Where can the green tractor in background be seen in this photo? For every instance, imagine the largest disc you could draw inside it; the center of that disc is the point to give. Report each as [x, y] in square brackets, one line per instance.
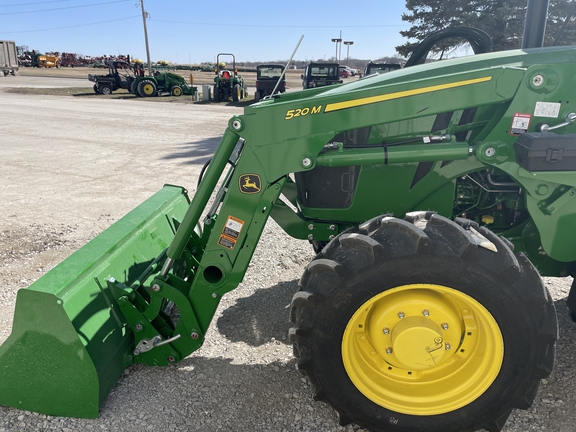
[162, 83]
[227, 83]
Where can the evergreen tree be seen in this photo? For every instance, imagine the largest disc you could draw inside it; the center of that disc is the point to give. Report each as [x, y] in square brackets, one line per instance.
[503, 20]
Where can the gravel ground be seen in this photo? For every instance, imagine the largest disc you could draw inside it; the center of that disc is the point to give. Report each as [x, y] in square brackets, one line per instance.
[72, 166]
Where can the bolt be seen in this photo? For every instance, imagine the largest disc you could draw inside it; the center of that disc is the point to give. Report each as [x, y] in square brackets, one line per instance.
[306, 162]
[448, 346]
[310, 236]
[389, 350]
[138, 327]
[444, 326]
[425, 312]
[333, 227]
[236, 124]
[170, 359]
[537, 80]
[136, 352]
[386, 330]
[330, 237]
[194, 335]
[490, 151]
[156, 287]
[214, 295]
[438, 340]
[311, 227]
[400, 314]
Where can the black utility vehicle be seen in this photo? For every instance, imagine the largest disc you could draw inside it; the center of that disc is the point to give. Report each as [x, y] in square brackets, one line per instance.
[267, 76]
[121, 75]
[320, 74]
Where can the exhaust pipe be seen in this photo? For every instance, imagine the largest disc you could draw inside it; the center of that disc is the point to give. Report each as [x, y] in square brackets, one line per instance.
[535, 23]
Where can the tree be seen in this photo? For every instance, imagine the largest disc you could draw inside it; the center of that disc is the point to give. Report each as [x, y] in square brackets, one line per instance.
[503, 20]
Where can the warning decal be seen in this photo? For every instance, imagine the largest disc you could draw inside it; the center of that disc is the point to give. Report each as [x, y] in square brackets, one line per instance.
[520, 123]
[231, 232]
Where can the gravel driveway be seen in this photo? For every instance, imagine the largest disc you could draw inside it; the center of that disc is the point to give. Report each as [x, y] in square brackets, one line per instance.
[72, 166]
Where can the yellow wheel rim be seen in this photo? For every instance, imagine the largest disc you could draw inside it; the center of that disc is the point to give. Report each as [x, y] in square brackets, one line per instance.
[177, 91]
[422, 349]
[148, 89]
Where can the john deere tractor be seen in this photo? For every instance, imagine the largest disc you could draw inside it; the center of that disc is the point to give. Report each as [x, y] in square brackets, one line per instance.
[436, 196]
[162, 83]
[227, 83]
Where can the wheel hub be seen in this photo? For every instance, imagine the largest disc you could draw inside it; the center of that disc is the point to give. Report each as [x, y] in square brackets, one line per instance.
[422, 349]
[417, 343]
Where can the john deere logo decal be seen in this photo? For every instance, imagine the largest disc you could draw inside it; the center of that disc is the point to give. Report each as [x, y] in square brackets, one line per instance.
[250, 183]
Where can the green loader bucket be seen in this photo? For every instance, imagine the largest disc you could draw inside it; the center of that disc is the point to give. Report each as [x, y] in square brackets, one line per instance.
[69, 343]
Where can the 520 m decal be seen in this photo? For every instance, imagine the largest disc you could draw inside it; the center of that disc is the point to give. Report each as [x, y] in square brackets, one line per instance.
[301, 112]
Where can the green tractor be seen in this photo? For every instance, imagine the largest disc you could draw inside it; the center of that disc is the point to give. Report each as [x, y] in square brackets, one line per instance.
[436, 196]
[227, 83]
[162, 83]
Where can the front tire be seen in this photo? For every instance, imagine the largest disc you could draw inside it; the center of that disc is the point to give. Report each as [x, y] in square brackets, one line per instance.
[177, 91]
[105, 89]
[409, 325]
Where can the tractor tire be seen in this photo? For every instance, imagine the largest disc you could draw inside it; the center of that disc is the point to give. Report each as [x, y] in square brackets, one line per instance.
[236, 93]
[134, 88]
[105, 89]
[95, 88]
[408, 325]
[176, 91]
[147, 88]
[216, 94]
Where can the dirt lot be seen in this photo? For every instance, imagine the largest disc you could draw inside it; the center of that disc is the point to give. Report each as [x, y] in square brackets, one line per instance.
[71, 166]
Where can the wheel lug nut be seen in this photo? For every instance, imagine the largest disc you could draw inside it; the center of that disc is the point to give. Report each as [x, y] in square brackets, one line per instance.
[425, 312]
[400, 314]
[386, 330]
[444, 326]
[447, 346]
[389, 350]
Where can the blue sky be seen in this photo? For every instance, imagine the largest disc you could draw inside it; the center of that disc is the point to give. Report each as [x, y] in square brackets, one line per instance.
[188, 31]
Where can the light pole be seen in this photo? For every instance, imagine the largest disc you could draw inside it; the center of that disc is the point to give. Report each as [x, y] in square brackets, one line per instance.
[348, 43]
[336, 41]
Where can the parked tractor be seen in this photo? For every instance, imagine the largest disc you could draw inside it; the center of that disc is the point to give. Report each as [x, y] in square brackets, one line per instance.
[162, 83]
[319, 74]
[267, 77]
[227, 83]
[121, 75]
[436, 196]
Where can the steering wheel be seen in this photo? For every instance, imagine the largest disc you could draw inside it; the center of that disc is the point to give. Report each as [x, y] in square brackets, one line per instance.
[478, 40]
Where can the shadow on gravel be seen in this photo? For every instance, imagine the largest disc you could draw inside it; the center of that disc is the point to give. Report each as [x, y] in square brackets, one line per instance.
[195, 152]
[264, 315]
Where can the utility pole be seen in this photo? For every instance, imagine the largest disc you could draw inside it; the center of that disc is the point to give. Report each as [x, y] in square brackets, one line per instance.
[144, 16]
[348, 43]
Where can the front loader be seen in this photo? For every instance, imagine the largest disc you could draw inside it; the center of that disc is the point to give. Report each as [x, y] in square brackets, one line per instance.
[435, 195]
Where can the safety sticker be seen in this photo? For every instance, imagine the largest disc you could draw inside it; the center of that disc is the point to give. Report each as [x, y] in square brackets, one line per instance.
[520, 123]
[231, 232]
[547, 109]
[250, 183]
[233, 227]
[226, 242]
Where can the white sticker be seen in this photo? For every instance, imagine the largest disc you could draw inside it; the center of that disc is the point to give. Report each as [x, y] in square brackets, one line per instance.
[547, 109]
[520, 123]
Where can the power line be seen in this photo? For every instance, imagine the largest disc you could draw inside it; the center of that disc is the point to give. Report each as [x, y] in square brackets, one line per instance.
[74, 26]
[62, 8]
[35, 3]
[282, 26]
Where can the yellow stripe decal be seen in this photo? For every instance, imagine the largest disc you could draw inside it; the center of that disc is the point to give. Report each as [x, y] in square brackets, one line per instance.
[386, 97]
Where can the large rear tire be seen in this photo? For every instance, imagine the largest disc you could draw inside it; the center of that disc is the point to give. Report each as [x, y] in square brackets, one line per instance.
[410, 325]
[147, 88]
[236, 93]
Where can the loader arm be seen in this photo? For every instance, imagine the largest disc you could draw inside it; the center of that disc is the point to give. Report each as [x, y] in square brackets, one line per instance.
[415, 132]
